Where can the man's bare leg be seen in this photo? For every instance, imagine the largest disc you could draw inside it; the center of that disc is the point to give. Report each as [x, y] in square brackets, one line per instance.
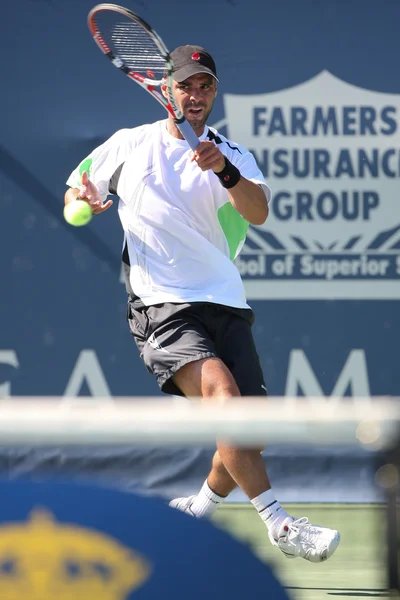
[219, 480]
[210, 380]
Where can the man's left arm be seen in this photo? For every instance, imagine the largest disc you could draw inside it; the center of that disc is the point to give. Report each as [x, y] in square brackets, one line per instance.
[246, 196]
[249, 199]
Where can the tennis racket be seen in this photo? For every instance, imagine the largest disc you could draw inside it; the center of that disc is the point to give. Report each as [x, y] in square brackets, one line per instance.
[137, 50]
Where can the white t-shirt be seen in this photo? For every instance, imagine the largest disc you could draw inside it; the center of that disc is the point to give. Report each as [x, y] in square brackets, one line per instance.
[181, 231]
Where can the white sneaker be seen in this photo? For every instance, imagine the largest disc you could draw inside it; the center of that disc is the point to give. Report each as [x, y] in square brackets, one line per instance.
[312, 542]
[183, 504]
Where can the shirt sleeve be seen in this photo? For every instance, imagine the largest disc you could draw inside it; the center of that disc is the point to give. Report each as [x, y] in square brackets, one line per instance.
[103, 161]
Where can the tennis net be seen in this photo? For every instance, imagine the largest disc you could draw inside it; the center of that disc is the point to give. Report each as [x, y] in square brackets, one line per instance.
[370, 422]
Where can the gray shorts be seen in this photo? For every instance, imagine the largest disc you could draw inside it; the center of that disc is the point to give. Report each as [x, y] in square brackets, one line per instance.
[169, 336]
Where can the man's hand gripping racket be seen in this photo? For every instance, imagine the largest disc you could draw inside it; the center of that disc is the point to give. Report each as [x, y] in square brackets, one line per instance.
[137, 50]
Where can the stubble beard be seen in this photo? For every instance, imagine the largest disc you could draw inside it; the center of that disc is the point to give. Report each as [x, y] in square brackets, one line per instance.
[201, 122]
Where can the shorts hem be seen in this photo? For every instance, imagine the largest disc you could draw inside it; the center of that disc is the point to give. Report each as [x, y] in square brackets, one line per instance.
[171, 372]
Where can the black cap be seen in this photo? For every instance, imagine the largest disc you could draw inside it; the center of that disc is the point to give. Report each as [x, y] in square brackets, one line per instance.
[189, 60]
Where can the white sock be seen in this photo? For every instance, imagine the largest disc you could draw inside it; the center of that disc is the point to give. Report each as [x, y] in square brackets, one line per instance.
[206, 502]
[271, 512]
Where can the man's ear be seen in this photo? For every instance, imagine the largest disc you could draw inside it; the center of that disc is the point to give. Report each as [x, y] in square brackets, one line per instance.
[164, 91]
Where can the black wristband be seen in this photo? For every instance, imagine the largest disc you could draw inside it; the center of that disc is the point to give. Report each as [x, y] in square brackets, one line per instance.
[229, 176]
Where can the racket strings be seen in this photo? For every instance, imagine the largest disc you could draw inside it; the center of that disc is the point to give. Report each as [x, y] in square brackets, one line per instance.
[135, 47]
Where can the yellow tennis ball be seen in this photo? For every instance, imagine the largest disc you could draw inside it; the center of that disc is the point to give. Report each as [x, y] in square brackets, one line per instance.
[77, 213]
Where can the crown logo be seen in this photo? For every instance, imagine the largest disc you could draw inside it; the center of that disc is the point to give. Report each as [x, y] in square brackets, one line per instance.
[46, 560]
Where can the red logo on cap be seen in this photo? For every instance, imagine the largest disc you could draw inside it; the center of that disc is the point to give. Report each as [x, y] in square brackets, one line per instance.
[195, 56]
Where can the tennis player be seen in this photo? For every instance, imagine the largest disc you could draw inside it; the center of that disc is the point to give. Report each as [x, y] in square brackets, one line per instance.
[185, 216]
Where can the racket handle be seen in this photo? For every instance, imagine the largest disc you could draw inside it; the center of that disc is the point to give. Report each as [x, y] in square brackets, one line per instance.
[186, 130]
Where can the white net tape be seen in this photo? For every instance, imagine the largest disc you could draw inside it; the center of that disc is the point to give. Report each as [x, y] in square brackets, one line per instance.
[371, 422]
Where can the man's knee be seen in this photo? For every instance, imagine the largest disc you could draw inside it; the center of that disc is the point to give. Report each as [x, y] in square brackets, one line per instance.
[208, 378]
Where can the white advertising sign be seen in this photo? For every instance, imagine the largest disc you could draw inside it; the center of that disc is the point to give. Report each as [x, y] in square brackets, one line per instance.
[331, 153]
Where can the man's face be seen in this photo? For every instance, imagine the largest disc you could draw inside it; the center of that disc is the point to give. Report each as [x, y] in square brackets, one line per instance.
[195, 97]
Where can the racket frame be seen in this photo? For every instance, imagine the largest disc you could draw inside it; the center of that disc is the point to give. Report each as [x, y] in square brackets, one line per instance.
[152, 86]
